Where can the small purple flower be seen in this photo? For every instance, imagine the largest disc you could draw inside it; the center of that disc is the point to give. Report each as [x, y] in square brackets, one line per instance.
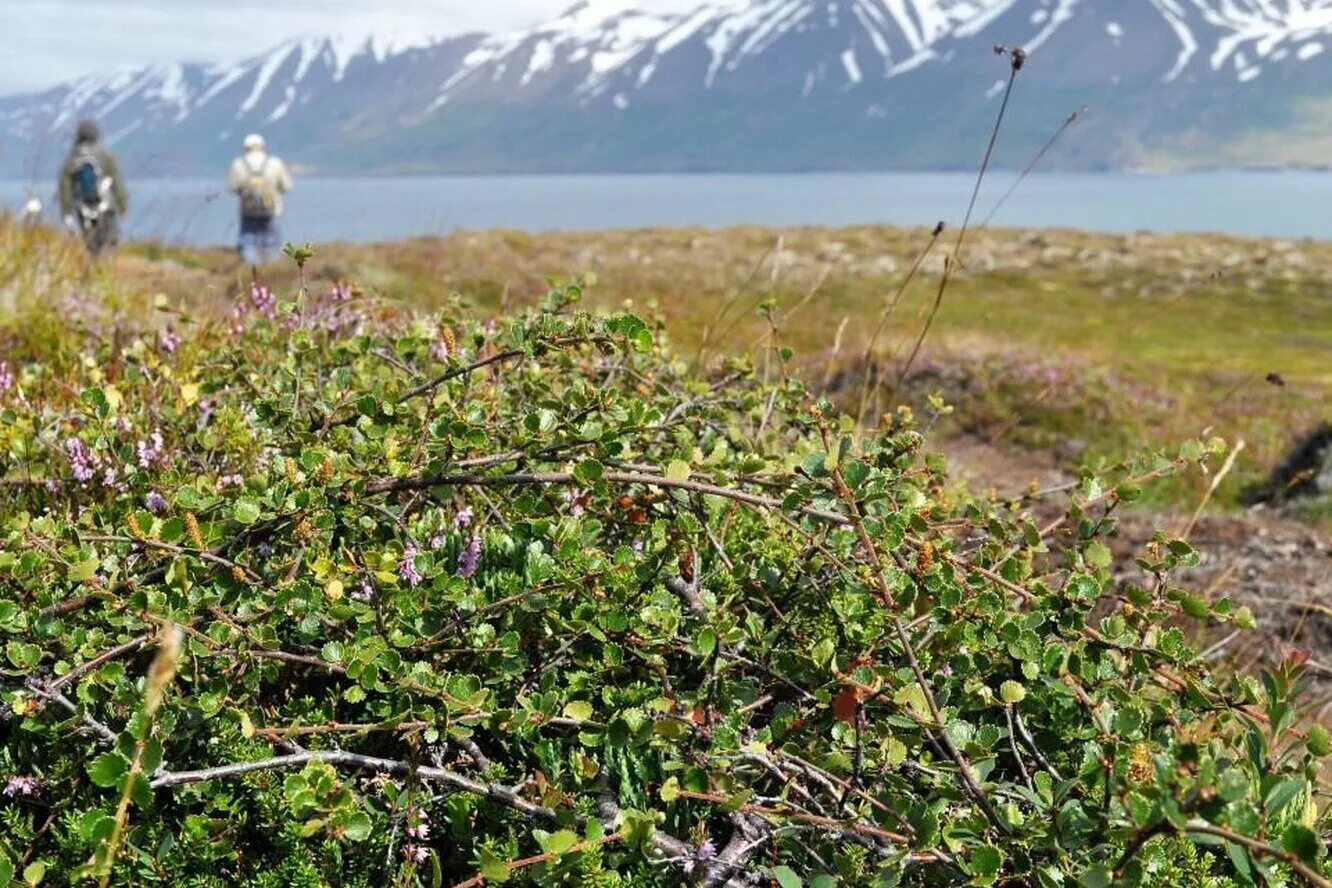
[407, 568]
[111, 479]
[416, 853]
[6, 377]
[704, 852]
[439, 352]
[638, 546]
[152, 451]
[81, 461]
[438, 540]
[577, 501]
[340, 293]
[420, 831]
[226, 482]
[464, 518]
[168, 341]
[21, 786]
[155, 502]
[470, 558]
[263, 300]
[364, 592]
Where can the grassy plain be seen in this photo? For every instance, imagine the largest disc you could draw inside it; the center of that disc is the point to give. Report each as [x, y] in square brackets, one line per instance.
[1086, 346]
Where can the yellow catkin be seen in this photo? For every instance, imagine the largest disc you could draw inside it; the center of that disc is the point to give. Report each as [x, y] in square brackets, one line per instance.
[1140, 768]
[293, 471]
[238, 574]
[450, 341]
[192, 528]
[326, 469]
[136, 529]
[304, 530]
[925, 559]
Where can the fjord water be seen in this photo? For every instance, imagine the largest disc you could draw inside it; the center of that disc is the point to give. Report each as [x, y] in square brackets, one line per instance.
[199, 212]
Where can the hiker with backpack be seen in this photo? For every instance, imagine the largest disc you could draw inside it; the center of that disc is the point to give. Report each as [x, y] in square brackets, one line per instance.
[93, 197]
[259, 179]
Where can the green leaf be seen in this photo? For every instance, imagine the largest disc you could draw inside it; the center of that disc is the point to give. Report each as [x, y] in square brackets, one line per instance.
[985, 863]
[83, 571]
[1282, 794]
[34, 872]
[6, 870]
[24, 656]
[1096, 877]
[493, 868]
[358, 827]
[678, 470]
[589, 471]
[93, 827]
[1318, 740]
[706, 641]
[670, 790]
[1012, 692]
[245, 511]
[786, 877]
[1098, 555]
[560, 842]
[1195, 607]
[107, 769]
[1302, 842]
[578, 710]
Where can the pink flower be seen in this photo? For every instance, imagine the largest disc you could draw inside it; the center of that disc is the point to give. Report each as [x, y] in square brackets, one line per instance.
[439, 352]
[155, 502]
[577, 501]
[464, 518]
[407, 567]
[168, 341]
[152, 451]
[416, 853]
[263, 300]
[228, 481]
[470, 558]
[21, 786]
[81, 461]
[420, 831]
[6, 377]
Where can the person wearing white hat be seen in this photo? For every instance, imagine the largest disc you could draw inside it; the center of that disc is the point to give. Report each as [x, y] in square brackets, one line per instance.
[259, 179]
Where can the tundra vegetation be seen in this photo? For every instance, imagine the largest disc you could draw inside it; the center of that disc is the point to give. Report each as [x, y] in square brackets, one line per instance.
[325, 590]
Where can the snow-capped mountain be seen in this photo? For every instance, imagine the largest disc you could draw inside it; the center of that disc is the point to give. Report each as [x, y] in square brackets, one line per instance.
[735, 84]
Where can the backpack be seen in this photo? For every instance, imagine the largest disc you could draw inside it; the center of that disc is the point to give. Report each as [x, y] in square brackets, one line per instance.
[90, 184]
[258, 197]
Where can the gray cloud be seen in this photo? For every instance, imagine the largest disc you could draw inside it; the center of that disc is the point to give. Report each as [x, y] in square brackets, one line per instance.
[61, 39]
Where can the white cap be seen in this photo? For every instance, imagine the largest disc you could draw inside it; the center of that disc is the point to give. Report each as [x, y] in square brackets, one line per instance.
[254, 142]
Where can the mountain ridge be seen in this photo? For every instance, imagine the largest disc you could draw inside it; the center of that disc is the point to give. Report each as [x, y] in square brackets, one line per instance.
[735, 85]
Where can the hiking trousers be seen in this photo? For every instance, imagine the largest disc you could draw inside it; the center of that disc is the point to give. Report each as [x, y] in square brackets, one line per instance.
[259, 241]
[100, 233]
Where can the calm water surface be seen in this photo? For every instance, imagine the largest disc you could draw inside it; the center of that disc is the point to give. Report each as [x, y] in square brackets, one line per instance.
[1285, 204]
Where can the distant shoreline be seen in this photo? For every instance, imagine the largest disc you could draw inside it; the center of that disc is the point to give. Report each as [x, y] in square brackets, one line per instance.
[1287, 204]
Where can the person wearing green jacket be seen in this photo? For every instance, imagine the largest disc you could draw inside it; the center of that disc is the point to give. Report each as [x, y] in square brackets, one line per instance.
[93, 197]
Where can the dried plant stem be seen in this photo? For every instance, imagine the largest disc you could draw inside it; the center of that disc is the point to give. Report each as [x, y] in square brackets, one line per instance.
[886, 314]
[1211, 489]
[160, 675]
[1035, 162]
[1018, 59]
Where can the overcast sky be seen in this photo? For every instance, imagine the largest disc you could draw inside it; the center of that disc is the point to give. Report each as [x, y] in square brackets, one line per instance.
[48, 41]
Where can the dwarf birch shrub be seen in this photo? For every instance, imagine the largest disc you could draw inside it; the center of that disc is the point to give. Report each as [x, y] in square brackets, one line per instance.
[325, 595]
